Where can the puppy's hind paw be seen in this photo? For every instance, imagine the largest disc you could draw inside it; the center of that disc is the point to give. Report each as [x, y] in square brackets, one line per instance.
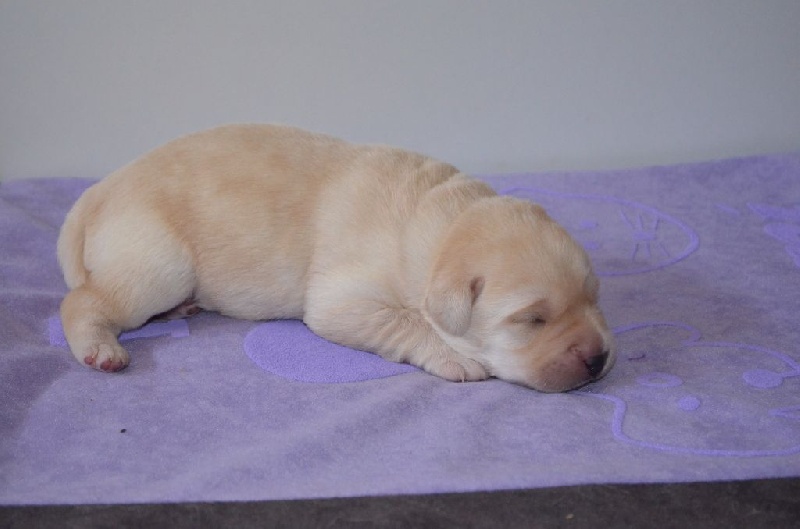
[456, 368]
[106, 357]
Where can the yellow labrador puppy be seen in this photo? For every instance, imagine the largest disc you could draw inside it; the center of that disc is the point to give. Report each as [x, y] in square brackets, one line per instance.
[374, 247]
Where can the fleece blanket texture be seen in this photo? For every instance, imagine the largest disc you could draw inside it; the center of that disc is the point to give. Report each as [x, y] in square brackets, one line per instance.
[700, 272]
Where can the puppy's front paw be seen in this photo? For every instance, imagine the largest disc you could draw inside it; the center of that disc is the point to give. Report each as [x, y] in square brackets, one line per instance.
[106, 357]
[456, 368]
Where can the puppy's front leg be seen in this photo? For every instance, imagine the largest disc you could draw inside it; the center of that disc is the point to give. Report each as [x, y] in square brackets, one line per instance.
[398, 334]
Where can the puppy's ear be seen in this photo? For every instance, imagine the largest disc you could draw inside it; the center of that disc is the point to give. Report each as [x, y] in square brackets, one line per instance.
[450, 297]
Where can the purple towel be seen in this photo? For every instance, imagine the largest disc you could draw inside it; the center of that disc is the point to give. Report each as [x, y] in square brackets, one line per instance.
[700, 268]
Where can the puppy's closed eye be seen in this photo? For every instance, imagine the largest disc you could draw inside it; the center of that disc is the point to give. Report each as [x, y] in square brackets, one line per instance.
[533, 315]
[533, 320]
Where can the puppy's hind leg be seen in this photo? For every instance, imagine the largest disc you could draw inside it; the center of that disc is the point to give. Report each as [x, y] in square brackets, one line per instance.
[184, 310]
[91, 326]
[122, 294]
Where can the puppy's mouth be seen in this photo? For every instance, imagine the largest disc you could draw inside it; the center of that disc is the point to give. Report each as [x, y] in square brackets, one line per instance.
[544, 370]
[573, 371]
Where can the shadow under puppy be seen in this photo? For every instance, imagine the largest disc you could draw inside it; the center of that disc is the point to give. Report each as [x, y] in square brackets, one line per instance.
[374, 247]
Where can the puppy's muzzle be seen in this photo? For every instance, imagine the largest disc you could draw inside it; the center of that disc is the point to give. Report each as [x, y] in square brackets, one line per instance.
[596, 363]
[594, 353]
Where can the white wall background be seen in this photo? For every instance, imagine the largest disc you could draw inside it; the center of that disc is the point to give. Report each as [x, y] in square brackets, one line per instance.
[491, 86]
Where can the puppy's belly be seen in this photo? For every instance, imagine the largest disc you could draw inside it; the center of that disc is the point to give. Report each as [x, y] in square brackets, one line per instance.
[254, 296]
[254, 268]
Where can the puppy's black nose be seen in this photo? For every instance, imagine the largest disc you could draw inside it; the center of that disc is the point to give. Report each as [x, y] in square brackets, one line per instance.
[596, 364]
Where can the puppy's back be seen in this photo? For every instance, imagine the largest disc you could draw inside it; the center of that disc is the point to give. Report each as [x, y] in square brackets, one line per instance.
[210, 185]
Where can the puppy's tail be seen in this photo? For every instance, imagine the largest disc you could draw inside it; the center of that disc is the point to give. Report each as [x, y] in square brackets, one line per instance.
[71, 244]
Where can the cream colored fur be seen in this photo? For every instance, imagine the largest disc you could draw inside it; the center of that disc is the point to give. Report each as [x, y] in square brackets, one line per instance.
[373, 247]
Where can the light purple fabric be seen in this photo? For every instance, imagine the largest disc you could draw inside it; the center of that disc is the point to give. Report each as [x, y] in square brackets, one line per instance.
[288, 349]
[700, 269]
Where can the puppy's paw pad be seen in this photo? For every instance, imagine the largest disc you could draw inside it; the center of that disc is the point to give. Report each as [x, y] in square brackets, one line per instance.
[107, 357]
[184, 310]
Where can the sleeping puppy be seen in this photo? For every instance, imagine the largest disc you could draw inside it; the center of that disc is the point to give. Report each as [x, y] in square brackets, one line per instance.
[374, 247]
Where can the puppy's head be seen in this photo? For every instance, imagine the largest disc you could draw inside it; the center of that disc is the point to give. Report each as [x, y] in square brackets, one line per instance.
[512, 290]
